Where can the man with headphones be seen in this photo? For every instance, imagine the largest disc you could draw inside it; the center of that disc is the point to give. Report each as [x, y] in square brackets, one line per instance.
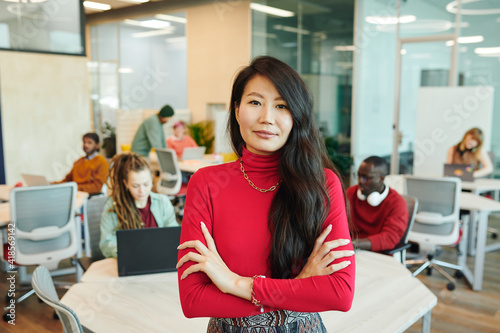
[378, 212]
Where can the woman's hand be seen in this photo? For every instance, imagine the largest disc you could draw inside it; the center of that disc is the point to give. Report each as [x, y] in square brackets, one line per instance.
[209, 261]
[319, 261]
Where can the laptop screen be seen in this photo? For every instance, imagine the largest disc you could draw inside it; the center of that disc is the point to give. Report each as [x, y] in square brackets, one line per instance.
[463, 171]
[193, 153]
[147, 251]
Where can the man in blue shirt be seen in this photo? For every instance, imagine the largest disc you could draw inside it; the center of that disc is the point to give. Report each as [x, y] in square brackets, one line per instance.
[150, 134]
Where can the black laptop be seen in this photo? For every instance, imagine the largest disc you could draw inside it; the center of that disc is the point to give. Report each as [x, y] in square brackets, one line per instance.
[147, 251]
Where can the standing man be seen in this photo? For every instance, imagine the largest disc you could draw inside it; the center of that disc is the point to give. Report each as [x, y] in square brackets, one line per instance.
[91, 171]
[150, 133]
[378, 212]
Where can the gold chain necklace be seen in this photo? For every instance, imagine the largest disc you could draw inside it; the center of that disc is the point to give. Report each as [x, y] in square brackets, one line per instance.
[272, 188]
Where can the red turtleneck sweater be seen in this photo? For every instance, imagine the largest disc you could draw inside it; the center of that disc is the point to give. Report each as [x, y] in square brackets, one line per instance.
[236, 216]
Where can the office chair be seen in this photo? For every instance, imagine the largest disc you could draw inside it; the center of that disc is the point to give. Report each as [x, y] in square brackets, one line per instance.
[92, 231]
[43, 286]
[170, 180]
[436, 221]
[399, 251]
[45, 227]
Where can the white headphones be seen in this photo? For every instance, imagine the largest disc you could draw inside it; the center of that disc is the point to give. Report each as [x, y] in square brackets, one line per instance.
[375, 198]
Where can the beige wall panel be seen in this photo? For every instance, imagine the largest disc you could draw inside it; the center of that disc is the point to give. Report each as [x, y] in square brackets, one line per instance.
[45, 112]
[218, 44]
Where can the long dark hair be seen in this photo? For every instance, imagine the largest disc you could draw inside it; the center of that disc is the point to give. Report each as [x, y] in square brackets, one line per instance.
[301, 203]
[124, 206]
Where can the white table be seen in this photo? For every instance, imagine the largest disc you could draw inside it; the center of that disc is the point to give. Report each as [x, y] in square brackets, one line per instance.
[105, 302]
[186, 166]
[483, 206]
[482, 185]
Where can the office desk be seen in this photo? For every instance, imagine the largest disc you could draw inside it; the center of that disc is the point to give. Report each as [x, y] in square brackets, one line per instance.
[483, 206]
[105, 302]
[186, 166]
[482, 185]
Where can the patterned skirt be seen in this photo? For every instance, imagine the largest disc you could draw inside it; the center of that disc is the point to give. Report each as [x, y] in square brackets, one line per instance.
[282, 321]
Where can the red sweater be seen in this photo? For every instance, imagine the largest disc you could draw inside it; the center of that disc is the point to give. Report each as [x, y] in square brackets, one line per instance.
[236, 216]
[383, 225]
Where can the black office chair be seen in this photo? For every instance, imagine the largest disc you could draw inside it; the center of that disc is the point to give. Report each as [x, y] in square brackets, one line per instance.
[400, 248]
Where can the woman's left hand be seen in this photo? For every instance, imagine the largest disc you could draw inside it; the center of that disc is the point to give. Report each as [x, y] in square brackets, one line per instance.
[208, 261]
[319, 262]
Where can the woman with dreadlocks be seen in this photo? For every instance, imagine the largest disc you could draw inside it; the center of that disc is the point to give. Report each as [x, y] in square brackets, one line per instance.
[132, 205]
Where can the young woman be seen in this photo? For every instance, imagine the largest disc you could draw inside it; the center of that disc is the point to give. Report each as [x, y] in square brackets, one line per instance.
[468, 151]
[180, 140]
[132, 205]
[258, 233]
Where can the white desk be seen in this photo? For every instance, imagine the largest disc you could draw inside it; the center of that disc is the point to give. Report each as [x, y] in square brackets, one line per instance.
[105, 302]
[482, 185]
[186, 166]
[483, 206]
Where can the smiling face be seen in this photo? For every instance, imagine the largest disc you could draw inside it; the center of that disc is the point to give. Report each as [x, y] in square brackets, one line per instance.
[470, 142]
[139, 184]
[263, 116]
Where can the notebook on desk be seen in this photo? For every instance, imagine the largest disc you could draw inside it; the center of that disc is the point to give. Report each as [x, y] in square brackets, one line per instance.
[193, 153]
[463, 171]
[147, 251]
[35, 180]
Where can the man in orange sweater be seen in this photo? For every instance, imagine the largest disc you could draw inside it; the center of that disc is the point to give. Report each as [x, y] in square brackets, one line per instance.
[91, 171]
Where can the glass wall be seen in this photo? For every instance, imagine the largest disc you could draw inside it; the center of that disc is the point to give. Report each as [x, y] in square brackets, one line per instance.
[53, 26]
[316, 39]
[422, 53]
[138, 63]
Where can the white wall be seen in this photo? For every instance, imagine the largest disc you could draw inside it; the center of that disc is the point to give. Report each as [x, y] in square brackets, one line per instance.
[45, 112]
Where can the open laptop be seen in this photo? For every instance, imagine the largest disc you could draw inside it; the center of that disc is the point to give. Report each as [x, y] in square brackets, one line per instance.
[462, 171]
[147, 251]
[193, 153]
[35, 180]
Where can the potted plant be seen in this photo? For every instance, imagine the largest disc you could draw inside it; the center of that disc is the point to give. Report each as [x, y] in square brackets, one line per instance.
[342, 161]
[109, 140]
[203, 133]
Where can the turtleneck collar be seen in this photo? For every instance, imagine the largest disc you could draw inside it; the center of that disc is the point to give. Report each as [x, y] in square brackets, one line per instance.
[263, 163]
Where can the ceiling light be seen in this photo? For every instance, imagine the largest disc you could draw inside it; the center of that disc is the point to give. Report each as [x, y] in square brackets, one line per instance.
[271, 10]
[466, 40]
[452, 8]
[96, 5]
[171, 18]
[153, 33]
[344, 48]
[487, 51]
[291, 29]
[390, 19]
[403, 51]
[125, 70]
[154, 24]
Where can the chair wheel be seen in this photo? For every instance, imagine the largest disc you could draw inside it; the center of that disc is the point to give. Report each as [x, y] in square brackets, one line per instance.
[55, 316]
[494, 235]
[5, 317]
[429, 271]
[459, 274]
[450, 286]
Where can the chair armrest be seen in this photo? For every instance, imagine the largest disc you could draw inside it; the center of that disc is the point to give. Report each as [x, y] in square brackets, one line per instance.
[398, 248]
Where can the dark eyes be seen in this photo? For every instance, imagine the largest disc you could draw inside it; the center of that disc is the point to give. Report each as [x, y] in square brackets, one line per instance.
[279, 106]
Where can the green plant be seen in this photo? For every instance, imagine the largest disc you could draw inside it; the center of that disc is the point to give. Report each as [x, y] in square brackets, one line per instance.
[342, 161]
[108, 130]
[203, 133]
